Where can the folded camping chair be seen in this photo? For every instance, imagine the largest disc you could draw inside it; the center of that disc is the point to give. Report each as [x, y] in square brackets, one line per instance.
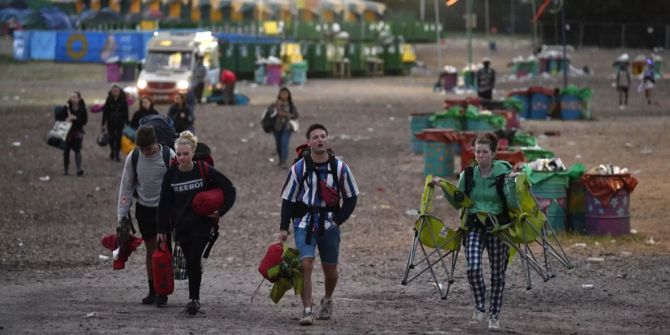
[431, 233]
[529, 225]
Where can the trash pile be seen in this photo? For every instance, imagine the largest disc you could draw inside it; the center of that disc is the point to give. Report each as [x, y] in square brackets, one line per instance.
[607, 169]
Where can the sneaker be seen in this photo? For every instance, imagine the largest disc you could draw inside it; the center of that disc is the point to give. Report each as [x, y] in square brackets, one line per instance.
[149, 299]
[80, 173]
[192, 307]
[307, 318]
[494, 325]
[325, 309]
[477, 316]
[161, 300]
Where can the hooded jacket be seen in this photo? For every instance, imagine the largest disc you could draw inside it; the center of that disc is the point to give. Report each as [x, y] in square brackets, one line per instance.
[484, 193]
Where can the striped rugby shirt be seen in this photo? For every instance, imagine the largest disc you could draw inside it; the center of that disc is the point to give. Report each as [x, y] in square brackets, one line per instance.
[309, 195]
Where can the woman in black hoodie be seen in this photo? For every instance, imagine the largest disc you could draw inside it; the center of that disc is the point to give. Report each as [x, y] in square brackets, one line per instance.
[115, 117]
[76, 108]
[192, 231]
[146, 108]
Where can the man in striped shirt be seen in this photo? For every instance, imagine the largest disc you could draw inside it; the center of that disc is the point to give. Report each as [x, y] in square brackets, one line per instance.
[311, 200]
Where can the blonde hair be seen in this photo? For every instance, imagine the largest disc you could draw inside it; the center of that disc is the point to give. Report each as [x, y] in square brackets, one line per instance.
[188, 138]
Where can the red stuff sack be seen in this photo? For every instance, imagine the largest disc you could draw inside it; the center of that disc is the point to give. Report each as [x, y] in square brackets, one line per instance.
[162, 270]
[206, 202]
[272, 258]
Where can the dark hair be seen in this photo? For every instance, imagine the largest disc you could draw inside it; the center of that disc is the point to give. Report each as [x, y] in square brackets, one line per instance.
[488, 138]
[146, 136]
[183, 99]
[290, 97]
[122, 94]
[151, 107]
[82, 103]
[313, 127]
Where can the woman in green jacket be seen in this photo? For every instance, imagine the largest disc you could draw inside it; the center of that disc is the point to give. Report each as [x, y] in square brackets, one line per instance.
[488, 185]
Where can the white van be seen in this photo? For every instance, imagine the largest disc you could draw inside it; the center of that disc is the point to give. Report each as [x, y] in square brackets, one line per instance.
[170, 61]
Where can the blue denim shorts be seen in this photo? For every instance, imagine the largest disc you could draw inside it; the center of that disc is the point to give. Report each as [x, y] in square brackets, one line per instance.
[328, 243]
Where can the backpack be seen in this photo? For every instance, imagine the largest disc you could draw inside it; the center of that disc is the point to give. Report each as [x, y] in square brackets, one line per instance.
[500, 184]
[272, 258]
[269, 118]
[164, 128]
[60, 113]
[203, 153]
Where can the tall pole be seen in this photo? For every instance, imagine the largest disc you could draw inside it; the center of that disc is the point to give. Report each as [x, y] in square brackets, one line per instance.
[439, 47]
[296, 19]
[345, 12]
[512, 21]
[487, 15]
[422, 10]
[534, 9]
[259, 16]
[468, 28]
[565, 58]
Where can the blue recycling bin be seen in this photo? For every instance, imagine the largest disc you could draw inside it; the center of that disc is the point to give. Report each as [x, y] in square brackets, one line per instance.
[539, 105]
[571, 107]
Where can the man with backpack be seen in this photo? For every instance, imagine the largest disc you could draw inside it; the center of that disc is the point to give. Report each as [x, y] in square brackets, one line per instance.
[142, 177]
[486, 80]
[311, 201]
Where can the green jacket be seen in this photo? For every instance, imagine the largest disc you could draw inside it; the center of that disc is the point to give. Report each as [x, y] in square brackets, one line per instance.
[484, 194]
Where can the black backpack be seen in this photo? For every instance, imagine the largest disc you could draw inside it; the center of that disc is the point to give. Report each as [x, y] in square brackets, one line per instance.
[164, 128]
[269, 118]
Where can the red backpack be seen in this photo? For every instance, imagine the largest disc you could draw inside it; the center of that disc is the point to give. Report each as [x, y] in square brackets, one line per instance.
[273, 257]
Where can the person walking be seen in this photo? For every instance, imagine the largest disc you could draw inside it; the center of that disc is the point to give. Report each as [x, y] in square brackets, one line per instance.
[77, 114]
[486, 80]
[115, 117]
[311, 200]
[142, 179]
[648, 80]
[286, 114]
[181, 114]
[146, 108]
[489, 186]
[622, 80]
[199, 74]
[180, 185]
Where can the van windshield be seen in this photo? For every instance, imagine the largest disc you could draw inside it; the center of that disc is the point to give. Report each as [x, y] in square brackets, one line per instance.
[174, 61]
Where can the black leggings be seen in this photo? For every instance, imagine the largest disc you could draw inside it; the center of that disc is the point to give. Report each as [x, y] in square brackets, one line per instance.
[74, 145]
[193, 249]
[114, 141]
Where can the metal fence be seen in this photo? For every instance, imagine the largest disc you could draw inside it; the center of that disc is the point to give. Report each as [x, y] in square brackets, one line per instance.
[608, 35]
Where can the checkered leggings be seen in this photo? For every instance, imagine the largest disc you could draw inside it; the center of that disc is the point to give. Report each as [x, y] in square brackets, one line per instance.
[475, 241]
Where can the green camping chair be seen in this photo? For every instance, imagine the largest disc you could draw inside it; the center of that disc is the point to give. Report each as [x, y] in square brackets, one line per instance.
[430, 233]
[530, 226]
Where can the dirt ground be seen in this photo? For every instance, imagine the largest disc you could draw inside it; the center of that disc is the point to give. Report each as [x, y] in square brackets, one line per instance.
[54, 281]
